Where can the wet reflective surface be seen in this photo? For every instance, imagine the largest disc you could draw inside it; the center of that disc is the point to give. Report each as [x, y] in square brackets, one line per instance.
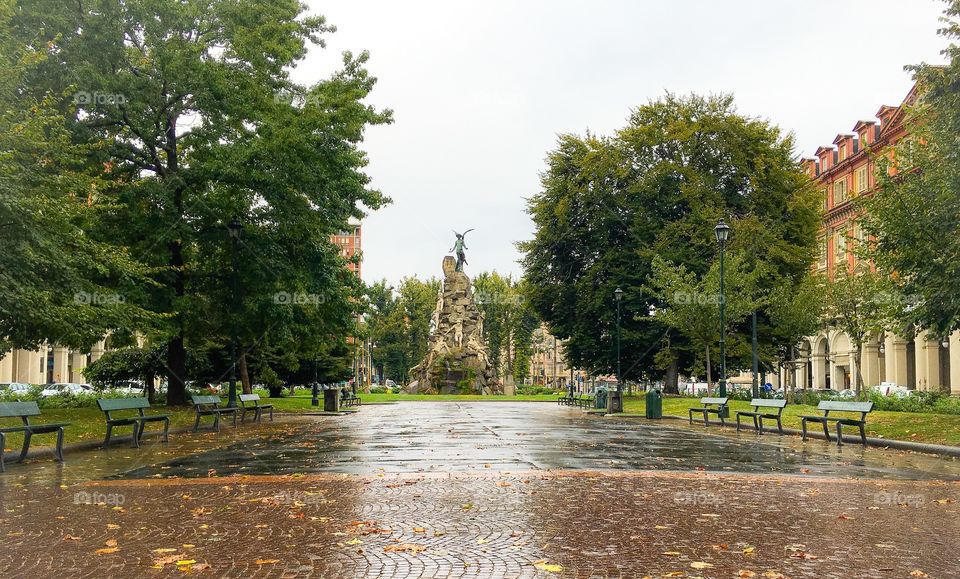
[481, 490]
[425, 437]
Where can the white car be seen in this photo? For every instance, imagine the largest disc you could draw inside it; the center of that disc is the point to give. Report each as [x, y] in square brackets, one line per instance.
[66, 388]
[14, 387]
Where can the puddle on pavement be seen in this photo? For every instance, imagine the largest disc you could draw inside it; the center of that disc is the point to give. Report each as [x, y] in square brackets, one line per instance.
[413, 437]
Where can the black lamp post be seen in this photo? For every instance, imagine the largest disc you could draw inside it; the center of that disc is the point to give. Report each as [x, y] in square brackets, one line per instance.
[722, 231]
[235, 229]
[618, 294]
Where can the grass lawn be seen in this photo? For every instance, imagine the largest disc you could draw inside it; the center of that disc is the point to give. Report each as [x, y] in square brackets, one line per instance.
[912, 426]
[87, 424]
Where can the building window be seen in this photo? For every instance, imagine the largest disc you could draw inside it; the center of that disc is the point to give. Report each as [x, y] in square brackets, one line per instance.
[843, 152]
[862, 179]
[841, 245]
[826, 198]
[839, 191]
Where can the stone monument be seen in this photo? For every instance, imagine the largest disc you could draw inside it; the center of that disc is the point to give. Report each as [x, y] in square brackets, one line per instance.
[457, 360]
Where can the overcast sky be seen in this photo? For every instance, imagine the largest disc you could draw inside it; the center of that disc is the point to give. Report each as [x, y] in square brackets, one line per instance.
[480, 91]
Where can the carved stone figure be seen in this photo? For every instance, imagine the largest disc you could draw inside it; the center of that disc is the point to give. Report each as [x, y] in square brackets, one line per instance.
[459, 247]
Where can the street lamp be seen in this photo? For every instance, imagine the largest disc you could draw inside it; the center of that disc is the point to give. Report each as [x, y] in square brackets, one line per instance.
[618, 294]
[235, 230]
[315, 389]
[722, 231]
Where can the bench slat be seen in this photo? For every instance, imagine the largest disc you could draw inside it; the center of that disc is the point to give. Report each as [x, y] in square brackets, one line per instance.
[17, 409]
[198, 400]
[112, 404]
[766, 402]
[840, 406]
[713, 400]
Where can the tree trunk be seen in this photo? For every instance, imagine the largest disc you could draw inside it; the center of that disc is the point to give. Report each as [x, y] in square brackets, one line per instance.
[709, 370]
[151, 388]
[176, 369]
[244, 374]
[671, 378]
[858, 375]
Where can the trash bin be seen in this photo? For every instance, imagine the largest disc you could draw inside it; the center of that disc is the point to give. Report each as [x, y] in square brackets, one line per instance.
[331, 400]
[600, 398]
[614, 401]
[654, 403]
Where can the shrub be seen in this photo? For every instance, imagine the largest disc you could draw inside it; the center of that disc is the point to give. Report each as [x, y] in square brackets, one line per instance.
[378, 390]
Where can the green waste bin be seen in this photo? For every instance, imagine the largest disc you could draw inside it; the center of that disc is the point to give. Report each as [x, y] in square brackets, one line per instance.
[654, 403]
[600, 398]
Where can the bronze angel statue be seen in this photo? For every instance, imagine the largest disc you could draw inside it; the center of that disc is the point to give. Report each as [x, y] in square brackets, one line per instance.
[459, 246]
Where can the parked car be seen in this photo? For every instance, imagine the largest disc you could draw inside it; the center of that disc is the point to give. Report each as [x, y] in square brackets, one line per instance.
[130, 387]
[14, 387]
[66, 388]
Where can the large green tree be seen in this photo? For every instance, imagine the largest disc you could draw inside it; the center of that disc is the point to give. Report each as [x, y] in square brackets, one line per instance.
[200, 124]
[508, 322]
[57, 284]
[914, 214]
[398, 320]
[610, 205]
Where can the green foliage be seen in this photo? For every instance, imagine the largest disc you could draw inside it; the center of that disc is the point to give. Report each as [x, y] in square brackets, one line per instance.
[859, 304]
[188, 118]
[914, 215]
[610, 205]
[508, 322]
[398, 321]
[691, 304]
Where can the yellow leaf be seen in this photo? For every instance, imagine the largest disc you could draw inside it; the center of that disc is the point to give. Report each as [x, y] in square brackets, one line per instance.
[671, 553]
[549, 567]
[700, 565]
[745, 573]
[354, 542]
[266, 561]
[419, 530]
[110, 543]
[185, 562]
[107, 550]
[112, 526]
[749, 550]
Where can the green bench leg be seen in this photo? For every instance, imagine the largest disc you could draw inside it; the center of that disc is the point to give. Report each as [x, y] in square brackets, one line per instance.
[106, 439]
[60, 444]
[166, 429]
[863, 434]
[26, 445]
[826, 430]
[839, 434]
[803, 425]
[137, 433]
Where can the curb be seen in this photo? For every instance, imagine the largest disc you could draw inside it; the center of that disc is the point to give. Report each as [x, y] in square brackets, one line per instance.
[939, 449]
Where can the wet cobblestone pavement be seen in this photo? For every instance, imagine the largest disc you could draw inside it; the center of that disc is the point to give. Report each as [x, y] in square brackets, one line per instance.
[484, 490]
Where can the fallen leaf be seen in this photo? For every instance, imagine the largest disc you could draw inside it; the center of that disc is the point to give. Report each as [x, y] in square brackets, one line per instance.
[671, 553]
[266, 561]
[411, 548]
[749, 550]
[110, 543]
[107, 550]
[112, 526]
[918, 573]
[183, 562]
[700, 565]
[746, 573]
[164, 550]
[70, 538]
[543, 565]
[419, 530]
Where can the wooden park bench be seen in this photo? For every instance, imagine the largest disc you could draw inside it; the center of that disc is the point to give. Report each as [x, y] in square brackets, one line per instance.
[837, 406]
[707, 409]
[759, 415]
[257, 408]
[210, 406]
[566, 399]
[23, 411]
[348, 398]
[138, 421]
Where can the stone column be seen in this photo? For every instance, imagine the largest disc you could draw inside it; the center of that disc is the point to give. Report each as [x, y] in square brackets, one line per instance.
[930, 354]
[6, 367]
[820, 365]
[30, 366]
[79, 363]
[895, 358]
[61, 364]
[97, 351]
[955, 363]
[870, 363]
